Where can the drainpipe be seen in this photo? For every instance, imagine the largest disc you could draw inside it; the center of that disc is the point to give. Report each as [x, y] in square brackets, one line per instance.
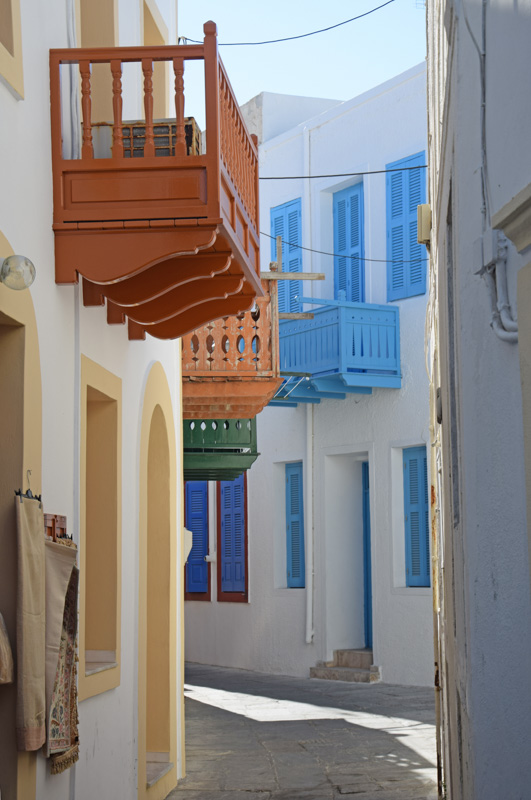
[308, 511]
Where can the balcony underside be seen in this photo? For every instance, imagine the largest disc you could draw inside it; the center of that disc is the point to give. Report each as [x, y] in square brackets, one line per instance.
[166, 280]
[225, 397]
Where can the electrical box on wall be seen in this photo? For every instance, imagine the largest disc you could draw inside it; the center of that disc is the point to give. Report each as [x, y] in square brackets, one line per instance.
[424, 223]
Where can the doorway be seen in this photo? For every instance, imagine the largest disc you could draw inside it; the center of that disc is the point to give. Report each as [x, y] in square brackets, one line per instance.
[367, 574]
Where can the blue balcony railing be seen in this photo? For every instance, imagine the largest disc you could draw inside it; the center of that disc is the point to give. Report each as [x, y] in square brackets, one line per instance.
[345, 348]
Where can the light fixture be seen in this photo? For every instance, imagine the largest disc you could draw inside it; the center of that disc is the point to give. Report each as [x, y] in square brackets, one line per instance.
[17, 272]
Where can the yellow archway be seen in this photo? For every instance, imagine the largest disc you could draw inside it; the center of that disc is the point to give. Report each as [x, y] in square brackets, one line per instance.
[21, 436]
[160, 550]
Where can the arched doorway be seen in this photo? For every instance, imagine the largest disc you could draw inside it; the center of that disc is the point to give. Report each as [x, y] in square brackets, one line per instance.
[160, 703]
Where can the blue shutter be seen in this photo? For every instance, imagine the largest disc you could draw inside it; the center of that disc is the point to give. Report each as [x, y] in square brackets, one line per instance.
[294, 526]
[286, 222]
[406, 270]
[196, 520]
[349, 269]
[416, 516]
[232, 511]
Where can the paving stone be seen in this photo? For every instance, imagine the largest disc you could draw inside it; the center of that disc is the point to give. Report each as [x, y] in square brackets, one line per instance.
[281, 738]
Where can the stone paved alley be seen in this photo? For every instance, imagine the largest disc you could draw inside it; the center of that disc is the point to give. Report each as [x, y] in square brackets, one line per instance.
[264, 737]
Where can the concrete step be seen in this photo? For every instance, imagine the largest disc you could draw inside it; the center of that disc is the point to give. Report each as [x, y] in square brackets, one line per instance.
[357, 659]
[341, 674]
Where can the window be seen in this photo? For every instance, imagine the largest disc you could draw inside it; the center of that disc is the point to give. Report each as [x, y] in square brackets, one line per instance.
[100, 535]
[349, 270]
[294, 526]
[11, 45]
[286, 222]
[197, 570]
[232, 540]
[406, 268]
[416, 516]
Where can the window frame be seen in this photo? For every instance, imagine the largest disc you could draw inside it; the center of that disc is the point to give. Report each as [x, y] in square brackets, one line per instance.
[201, 596]
[287, 289]
[11, 65]
[406, 291]
[292, 583]
[423, 581]
[233, 597]
[355, 188]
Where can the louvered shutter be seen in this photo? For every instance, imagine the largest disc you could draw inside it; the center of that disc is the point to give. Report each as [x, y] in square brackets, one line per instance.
[196, 520]
[286, 222]
[294, 526]
[406, 268]
[348, 243]
[416, 517]
[232, 494]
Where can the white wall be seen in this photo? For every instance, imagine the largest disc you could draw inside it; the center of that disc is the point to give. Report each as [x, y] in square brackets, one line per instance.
[269, 633]
[486, 611]
[108, 722]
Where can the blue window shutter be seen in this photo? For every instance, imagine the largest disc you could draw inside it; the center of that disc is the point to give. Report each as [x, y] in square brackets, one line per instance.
[406, 270]
[233, 535]
[286, 222]
[348, 243]
[295, 526]
[416, 516]
[196, 520]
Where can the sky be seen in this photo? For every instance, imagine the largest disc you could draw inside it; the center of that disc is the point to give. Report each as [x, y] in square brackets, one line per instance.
[337, 64]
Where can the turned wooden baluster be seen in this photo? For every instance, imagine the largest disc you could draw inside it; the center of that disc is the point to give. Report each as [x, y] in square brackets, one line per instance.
[147, 69]
[117, 134]
[180, 136]
[87, 150]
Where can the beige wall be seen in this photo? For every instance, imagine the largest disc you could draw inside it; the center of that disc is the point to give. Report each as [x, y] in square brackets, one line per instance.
[156, 33]
[99, 28]
[21, 437]
[11, 45]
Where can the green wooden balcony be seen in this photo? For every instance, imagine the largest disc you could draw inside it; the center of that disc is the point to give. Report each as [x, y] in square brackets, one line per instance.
[218, 449]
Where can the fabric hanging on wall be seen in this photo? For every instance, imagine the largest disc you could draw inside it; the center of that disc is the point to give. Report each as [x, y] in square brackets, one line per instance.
[31, 699]
[62, 579]
[6, 655]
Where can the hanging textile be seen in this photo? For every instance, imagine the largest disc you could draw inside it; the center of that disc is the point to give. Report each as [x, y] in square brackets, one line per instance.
[6, 656]
[62, 579]
[30, 712]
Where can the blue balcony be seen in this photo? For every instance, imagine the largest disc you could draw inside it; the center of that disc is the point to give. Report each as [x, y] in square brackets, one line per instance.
[347, 348]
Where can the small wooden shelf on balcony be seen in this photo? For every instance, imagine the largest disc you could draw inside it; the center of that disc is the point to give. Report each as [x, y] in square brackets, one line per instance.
[170, 242]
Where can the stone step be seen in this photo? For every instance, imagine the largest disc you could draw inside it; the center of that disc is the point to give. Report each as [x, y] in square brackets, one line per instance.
[358, 659]
[341, 674]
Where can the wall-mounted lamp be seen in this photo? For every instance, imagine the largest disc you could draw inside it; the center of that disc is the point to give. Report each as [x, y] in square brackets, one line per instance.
[17, 272]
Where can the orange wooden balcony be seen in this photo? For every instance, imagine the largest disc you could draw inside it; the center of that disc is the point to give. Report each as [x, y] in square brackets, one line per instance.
[230, 366]
[169, 242]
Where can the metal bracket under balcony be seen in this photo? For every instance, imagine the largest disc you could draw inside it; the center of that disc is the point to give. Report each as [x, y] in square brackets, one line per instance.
[347, 348]
[218, 449]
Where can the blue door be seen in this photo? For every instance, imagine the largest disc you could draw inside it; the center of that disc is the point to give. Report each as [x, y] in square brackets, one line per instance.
[367, 555]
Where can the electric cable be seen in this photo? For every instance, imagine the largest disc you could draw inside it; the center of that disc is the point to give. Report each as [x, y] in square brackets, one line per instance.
[337, 174]
[353, 258]
[291, 38]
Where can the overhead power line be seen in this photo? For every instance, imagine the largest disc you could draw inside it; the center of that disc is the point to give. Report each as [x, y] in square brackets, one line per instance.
[353, 258]
[291, 38]
[337, 174]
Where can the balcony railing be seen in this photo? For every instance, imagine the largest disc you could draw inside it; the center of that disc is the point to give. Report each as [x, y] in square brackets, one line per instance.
[346, 347]
[218, 449]
[169, 240]
[230, 366]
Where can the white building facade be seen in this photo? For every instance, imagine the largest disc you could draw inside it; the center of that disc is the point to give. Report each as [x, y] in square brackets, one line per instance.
[335, 570]
[83, 408]
[479, 176]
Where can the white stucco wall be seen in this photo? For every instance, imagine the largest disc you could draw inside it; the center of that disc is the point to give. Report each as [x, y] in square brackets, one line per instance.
[486, 611]
[108, 722]
[268, 634]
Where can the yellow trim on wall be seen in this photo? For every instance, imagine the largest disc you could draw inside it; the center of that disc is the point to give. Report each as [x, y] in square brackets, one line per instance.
[11, 69]
[95, 378]
[18, 306]
[157, 399]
